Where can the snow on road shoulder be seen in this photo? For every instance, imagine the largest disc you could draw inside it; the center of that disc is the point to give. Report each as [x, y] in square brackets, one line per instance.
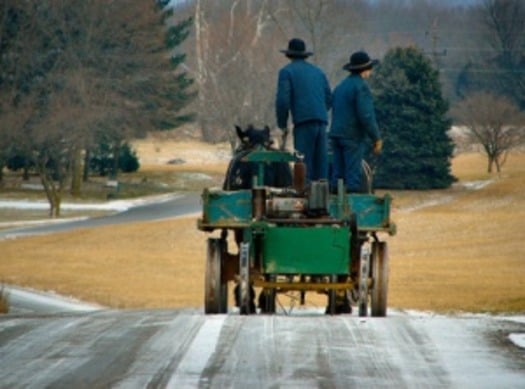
[115, 205]
[109, 206]
[25, 299]
[517, 338]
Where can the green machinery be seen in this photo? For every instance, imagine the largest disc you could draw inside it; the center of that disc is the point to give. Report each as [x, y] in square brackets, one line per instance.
[299, 239]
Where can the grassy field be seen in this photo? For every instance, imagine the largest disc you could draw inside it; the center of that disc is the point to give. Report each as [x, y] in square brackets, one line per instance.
[465, 253]
[458, 249]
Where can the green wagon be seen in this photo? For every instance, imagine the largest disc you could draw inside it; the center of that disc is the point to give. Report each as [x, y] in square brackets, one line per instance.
[301, 239]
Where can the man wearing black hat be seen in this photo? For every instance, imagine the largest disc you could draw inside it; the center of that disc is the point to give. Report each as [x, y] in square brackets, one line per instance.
[353, 123]
[303, 90]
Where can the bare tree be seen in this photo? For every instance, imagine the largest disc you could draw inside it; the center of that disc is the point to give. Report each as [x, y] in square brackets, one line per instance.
[234, 65]
[15, 112]
[237, 54]
[505, 23]
[332, 29]
[493, 121]
[73, 70]
[236, 45]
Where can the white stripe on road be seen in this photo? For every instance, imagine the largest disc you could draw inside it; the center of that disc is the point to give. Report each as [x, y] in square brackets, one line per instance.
[193, 363]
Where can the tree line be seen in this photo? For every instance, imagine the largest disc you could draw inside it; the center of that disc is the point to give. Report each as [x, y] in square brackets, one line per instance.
[475, 48]
[75, 75]
[78, 74]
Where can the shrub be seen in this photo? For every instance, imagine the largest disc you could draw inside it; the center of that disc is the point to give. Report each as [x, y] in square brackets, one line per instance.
[102, 160]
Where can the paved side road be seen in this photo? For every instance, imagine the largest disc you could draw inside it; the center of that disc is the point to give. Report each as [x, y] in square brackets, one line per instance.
[144, 209]
[186, 349]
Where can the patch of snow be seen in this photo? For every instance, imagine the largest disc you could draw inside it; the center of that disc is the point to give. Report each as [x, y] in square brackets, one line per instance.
[470, 185]
[476, 185]
[516, 319]
[40, 222]
[114, 205]
[411, 312]
[430, 203]
[117, 205]
[518, 340]
[50, 300]
[33, 186]
[196, 176]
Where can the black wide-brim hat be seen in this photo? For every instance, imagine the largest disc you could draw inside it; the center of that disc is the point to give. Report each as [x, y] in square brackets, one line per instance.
[296, 49]
[360, 61]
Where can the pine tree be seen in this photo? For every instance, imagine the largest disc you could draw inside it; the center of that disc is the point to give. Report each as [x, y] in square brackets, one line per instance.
[411, 112]
[173, 91]
[72, 70]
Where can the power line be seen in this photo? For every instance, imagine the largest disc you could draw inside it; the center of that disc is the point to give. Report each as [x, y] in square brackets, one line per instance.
[491, 71]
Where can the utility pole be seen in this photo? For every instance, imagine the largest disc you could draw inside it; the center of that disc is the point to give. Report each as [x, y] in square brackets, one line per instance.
[434, 53]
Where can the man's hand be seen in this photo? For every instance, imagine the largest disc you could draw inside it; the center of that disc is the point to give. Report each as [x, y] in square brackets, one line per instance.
[378, 146]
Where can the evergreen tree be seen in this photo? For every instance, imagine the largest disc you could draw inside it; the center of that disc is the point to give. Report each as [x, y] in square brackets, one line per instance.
[69, 69]
[411, 112]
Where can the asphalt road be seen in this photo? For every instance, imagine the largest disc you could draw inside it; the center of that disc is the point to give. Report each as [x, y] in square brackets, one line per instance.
[62, 347]
[187, 349]
[165, 207]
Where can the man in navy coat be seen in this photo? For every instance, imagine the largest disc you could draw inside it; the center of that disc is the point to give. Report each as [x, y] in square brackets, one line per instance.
[303, 90]
[353, 123]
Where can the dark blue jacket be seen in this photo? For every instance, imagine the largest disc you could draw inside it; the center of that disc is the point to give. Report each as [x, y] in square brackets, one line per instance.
[353, 115]
[303, 90]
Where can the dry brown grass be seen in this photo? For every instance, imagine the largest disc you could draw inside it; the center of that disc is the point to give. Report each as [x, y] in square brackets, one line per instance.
[462, 255]
[154, 155]
[157, 264]
[4, 301]
[466, 254]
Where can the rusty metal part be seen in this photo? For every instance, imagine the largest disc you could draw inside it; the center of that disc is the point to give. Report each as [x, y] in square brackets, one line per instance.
[307, 222]
[244, 279]
[216, 292]
[364, 283]
[285, 206]
[258, 203]
[379, 268]
[299, 176]
[285, 286]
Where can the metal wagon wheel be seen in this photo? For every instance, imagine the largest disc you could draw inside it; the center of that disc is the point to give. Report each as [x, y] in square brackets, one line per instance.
[267, 297]
[364, 272]
[331, 308]
[379, 292]
[246, 305]
[215, 289]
